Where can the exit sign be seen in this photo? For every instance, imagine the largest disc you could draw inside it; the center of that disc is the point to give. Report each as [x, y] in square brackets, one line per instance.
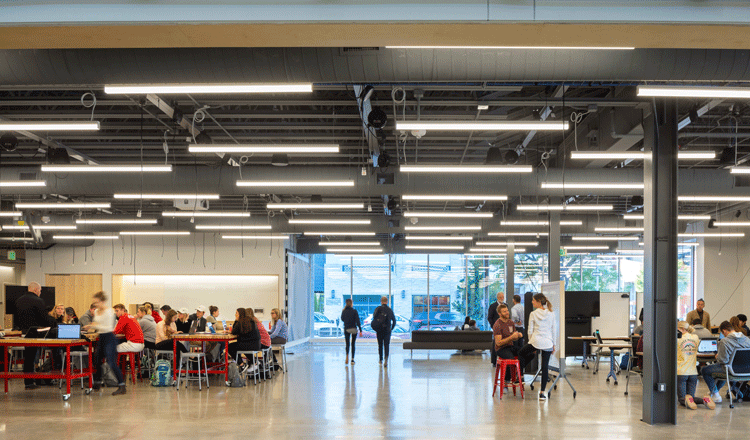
[563, 252]
[11, 255]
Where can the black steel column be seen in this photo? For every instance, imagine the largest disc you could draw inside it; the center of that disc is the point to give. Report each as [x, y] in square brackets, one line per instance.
[660, 264]
[510, 273]
[553, 242]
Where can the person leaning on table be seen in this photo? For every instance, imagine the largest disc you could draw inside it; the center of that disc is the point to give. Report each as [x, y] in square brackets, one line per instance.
[164, 332]
[148, 326]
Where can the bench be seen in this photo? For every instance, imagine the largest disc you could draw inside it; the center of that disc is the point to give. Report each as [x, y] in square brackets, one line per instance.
[448, 340]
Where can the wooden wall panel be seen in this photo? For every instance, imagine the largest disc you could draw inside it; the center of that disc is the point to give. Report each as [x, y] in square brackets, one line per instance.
[74, 290]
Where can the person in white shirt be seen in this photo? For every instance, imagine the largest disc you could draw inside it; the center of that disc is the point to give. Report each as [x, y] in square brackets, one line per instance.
[104, 324]
[542, 336]
[516, 313]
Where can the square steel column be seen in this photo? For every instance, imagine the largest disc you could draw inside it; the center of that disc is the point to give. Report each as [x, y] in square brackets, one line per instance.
[510, 273]
[553, 243]
[660, 265]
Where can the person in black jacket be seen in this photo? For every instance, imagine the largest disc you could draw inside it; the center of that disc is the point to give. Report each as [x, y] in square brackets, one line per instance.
[383, 322]
[31, 314]
[199, 319]
[248, 336]
[351, 321]
[492, 317]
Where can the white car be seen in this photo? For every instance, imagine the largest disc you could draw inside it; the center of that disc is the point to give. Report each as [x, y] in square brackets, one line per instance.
[401, 322]
[324, 327]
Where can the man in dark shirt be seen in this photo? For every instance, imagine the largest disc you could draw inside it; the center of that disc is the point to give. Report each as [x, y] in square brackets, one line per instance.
[183, 321]
[492, 316]
[384, 334]
[31, 315]
[199, 319]
[506, 337]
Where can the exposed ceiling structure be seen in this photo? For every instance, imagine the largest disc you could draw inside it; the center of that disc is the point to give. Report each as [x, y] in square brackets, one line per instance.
[594, 92]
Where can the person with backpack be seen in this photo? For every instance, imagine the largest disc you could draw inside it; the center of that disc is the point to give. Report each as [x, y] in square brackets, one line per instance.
[383, 322]
[351, 321]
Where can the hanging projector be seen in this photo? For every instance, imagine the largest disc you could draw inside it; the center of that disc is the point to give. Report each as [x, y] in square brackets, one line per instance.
[191, 205]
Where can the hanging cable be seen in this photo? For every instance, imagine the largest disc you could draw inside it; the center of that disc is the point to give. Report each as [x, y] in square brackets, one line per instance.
[90, 104]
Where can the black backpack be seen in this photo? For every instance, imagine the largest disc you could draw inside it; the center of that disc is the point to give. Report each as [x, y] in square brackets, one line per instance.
[380, 320]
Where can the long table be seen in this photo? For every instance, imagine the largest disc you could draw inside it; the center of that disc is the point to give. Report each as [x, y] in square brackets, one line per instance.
[216, 367]
[65, 374]
[587, 339]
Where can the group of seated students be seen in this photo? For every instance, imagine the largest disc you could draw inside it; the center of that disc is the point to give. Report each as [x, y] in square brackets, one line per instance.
[252, 336]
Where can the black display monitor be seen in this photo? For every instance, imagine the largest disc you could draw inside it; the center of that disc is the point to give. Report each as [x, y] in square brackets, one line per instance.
[582, 304]
[13, 292]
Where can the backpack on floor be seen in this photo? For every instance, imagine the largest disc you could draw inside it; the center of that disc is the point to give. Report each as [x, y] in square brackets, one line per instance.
[236, 379]
[162, 375]
[108, 376]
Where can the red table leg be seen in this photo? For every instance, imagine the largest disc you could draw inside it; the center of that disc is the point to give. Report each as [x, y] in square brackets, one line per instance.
[91, 366]
[67, 367]
[5, 358]
[226, 362]
[174, 359]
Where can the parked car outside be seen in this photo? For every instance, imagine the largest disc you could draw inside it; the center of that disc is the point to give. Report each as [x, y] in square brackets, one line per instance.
[401, 321]
[438, 321]
[324, 327]
[397, 333]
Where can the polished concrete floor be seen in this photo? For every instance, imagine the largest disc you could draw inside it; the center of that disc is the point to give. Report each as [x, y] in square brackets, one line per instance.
[448, 395]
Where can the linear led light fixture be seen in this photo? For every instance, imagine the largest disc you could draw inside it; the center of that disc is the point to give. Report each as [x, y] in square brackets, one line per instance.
[442, 228]
[585, 248]
[143, 89]
[731, 224]
[564, 208]
[739, 170]
[265, 148]
[360, 251]
[694, 92]
[515, 47]
[15, 227]
[107, 221]
[154, 233]
[679, 217]
[48, 126]
[630, 251]
[605, 238]
[147, 196]
[63, 205]
[17, 238]
[713, 199]
[505, 243]
[711, 234]
[637, 155]
[519, 234]
[592, 185]
[349, 243]
[328, 222]
[361, 234]
[503, 250]
[292, 183]
[204, 214]
[11, 214]
[315, 206]
[21, 183]
[571, 222]
[487, 254]
[106, 168]
[255, 237]
[54, 227]
[449, 214]
[85, 237]
[524, 223]
[231, 227]
[449, 198]
[438, 238]
[482, 125]
[623, 229]
[466, 168]
[434, 247]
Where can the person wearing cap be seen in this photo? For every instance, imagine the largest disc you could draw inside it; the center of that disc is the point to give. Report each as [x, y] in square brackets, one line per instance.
[199, 319]
[183, 322]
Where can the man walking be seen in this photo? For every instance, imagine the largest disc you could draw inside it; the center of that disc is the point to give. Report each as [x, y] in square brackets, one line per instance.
[383, 322]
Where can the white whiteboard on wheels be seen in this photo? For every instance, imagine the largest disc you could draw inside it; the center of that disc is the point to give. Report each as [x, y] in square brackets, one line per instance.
[555, 293]
[614, 315]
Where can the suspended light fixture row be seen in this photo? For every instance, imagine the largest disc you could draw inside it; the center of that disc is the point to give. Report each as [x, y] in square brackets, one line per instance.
[264, 148]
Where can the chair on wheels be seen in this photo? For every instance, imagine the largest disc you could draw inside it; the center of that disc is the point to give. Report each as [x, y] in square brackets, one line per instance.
[737, 370]
[185, 359]
[281, 348]
[132, 357]
[252, 359]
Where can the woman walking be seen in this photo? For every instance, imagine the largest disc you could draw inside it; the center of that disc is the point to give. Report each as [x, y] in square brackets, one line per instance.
[542, 336]
[350, 318]
[104, 323]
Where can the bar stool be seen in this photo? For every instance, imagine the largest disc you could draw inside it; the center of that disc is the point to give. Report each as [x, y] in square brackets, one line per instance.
[185, 358]
[252, 359]
[80, 355]
[159, 353]
[282, 354]
[516, 376]
[148, 359]
[131, 356]
[16, 354]
[267, 363]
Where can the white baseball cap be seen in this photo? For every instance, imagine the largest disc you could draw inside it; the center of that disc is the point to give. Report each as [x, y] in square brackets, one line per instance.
[184, 311]
[201, 308]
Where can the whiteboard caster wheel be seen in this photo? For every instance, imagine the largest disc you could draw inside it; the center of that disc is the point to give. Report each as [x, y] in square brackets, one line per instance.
[574, 394]
[66, 397]
[88, 391]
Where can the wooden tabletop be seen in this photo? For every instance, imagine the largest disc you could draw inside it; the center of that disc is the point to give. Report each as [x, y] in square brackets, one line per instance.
[9, 333]
[615, 346]
[20, 341]
[204, 337]
[593, 338]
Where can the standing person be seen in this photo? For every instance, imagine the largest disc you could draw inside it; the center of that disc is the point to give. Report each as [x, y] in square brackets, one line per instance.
[492, 317]
[732, 341]
[154, 313]
[104, 321]
[88, 317]
[31, 315]
[248, 336]
[700, 313]
[542, 336]
[351, 321]
[165, 330]
[128, 326]
[516, 314]
[687, 374]
[383, 322]
[148, 326]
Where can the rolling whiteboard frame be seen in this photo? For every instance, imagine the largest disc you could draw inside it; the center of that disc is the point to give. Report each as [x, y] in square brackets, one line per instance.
[614, 316]
[555, 293]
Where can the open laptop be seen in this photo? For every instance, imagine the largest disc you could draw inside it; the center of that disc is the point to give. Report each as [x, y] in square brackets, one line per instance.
[68, 331]
[708, 346]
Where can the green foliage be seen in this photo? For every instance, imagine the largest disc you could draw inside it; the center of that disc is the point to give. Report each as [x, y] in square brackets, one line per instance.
[471, 299]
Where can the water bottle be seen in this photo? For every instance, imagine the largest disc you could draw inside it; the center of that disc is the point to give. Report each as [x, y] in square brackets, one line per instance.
[224, 323]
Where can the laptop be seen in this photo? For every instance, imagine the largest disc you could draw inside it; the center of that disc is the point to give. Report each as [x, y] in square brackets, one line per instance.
[708, 346]
[68, 331]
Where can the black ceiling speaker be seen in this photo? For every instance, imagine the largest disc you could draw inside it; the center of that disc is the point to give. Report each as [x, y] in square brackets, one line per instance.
[377, 118]
[727, 156]
[57, 155]
[203, 138]
[280, 160]
[384, 159]
[8, 142]
[693, 115]
[712, 224]
[636, 201]
[511, 157]
[393, 203]
[177, 116]
[494, 156]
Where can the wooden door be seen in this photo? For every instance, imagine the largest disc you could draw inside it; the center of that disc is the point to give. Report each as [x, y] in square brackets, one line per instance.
[75, 290]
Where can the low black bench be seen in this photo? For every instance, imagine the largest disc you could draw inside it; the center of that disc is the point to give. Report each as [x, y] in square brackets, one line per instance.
[449, 340]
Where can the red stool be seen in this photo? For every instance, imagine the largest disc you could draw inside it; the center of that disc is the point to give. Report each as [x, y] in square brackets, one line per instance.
[516, 376]
[132, 357]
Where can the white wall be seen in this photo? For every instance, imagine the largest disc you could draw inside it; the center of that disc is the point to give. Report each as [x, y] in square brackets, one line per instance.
[726, 266]
[147, 255]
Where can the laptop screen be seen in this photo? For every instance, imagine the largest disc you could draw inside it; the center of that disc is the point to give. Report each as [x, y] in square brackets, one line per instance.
[708, 346]
[69, 331]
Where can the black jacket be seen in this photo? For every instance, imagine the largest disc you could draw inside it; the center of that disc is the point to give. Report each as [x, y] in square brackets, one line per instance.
[183, 327]
[350, 318]
[492, 314]
[31, 312]
[247, 338]
[390, 317]
[201, 327]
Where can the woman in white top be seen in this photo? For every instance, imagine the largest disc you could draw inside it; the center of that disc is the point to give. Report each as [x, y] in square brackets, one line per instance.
[542, 336]
[104, 324]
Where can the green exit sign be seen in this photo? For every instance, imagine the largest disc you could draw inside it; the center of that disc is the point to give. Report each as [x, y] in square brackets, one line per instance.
[11, 255]
[563, 252]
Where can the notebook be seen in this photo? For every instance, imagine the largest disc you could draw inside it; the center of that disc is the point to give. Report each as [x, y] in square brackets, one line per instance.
[708, 346]
[68, 331]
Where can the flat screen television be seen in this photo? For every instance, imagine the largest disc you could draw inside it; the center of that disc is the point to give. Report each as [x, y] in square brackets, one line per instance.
[582, 304]
[13, 292]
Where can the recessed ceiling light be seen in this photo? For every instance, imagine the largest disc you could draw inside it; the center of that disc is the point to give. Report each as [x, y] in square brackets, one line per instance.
[466, 168]
[106, 168]
[164, 89]
[481, 125]
[204, 214]
[292, 183]
[168, 196]
[151, 221]
[448, 214]
[22, 183]
[265, 148]
[72, 206]
[48, 126]
[453, 197]
[694, 92]
[328, 222]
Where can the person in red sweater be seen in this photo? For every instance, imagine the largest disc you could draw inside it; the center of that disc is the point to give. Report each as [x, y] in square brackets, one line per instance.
[128, 326]
[265, 338]
[152, 312]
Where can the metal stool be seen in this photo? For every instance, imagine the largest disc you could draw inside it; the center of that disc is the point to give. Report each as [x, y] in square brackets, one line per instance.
[159, 353]
[185, 358]
[16, 354]
[148, 359]
[81, 355]
[516, 376]
[252, 359]
[282, 354]
[131, 355]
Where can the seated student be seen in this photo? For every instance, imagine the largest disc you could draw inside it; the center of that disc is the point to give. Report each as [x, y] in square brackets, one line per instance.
[199, 319]
[213, 313]
[638, 331]
[465, 325]
[128, 326]
[164, 332]
[183, 322]
[687, 374]
[265, 338]
[700, 331]
[58, 313]
[472, 326]
[735, 321]
[279, 330]
[70, 316]
[732, 341]
[154, 313]
[148, 326]
[164, 309]
[506, 336]
[88, 317]
[743, 323]
[248, 336]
